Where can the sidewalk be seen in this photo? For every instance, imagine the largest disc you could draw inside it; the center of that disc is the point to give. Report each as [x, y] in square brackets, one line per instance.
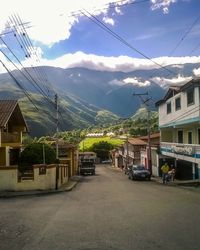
[64, 188]
[180, 183]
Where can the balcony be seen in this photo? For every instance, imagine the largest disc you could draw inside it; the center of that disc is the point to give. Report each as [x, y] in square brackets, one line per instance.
[7, 138]
[180, 149]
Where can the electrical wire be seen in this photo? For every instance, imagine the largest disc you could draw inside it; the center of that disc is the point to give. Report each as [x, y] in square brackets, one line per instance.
[110, 6]
[184, 36]
[122, 40]
[19, 85]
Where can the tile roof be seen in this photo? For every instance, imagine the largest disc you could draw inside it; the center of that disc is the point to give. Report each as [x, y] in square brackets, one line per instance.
[136, 141]
[156, 135]
[6, 109]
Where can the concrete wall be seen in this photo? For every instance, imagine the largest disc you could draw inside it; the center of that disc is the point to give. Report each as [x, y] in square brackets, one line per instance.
[42, 180]
[192, 110]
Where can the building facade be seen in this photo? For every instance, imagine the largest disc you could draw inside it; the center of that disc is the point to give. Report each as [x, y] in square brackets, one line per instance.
[179, 122]
[12, 126]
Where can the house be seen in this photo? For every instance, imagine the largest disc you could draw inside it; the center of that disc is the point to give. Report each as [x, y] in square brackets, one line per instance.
[67, 154]
[129, 152]
[12, 126]
[179, 122]
[156, 157]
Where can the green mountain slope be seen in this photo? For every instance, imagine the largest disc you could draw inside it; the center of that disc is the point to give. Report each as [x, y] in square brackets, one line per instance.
[73, 113]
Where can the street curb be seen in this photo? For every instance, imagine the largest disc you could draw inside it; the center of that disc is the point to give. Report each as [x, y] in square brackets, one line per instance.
[13, 194]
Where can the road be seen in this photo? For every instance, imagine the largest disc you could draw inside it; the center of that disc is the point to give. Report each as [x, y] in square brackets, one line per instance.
[104, 212]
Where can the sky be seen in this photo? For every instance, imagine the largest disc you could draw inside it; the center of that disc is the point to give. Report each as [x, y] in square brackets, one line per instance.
[155, 32]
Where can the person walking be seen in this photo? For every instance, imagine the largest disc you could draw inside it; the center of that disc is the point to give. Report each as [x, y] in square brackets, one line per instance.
[165, 170]
[172, 173]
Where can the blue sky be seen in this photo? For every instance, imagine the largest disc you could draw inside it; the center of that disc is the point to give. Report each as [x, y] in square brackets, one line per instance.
[62, 39]
[152, 32]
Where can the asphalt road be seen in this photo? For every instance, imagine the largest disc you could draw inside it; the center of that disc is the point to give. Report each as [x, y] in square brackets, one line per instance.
[103, 212]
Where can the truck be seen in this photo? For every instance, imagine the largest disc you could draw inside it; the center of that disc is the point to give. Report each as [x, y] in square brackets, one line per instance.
[87, 167]
[87, 163]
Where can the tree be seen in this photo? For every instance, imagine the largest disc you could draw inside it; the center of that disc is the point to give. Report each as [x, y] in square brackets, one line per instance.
[102, 149]
[33, 154]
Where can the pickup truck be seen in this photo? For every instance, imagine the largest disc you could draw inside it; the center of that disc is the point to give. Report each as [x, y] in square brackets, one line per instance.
[87, 167]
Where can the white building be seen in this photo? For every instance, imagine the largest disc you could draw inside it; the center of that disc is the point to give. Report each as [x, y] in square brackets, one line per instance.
[179, 122]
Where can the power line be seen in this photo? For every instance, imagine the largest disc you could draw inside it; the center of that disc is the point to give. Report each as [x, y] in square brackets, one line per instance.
[111, 5]
[26, 44]
[122, 40]
[19, 85]
[184, 36]
[31, 78]
[195, 48]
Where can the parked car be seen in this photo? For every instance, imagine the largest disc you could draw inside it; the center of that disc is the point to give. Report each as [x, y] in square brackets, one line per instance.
[139, 172]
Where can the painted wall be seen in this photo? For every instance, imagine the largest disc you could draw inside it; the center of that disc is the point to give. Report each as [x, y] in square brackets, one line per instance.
[9, 178]
[192, 110]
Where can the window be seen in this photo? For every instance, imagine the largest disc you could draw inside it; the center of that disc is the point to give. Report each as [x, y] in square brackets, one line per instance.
[178, 103]
[169, 108]
[189, 137]
[180, 136]
[190, 97]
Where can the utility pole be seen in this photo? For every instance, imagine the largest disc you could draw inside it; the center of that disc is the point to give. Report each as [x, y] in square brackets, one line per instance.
[56, 107]
[146, 103]
[127, 151]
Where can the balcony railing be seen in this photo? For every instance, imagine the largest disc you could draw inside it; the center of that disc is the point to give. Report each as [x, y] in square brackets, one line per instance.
[180, 149]
[10, 137]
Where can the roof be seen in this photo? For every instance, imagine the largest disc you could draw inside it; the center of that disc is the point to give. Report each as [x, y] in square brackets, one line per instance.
[7, 108]
[156, 135]
[136, 141]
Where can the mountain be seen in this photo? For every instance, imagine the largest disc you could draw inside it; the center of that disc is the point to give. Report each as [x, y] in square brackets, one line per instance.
[86, 97]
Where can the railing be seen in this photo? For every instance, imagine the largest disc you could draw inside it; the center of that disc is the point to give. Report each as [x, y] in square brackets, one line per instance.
[10, 137]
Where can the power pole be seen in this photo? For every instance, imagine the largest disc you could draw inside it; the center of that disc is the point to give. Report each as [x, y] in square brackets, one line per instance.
[56, 107]
[127, 151]
[146, 103]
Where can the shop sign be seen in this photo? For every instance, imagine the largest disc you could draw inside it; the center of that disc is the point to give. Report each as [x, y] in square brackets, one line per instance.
[183, 150]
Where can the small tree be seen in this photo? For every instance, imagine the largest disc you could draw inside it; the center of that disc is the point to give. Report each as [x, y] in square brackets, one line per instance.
[33, 154]
[102, 149]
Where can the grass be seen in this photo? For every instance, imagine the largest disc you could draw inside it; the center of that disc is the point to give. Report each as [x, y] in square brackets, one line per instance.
[87, 143]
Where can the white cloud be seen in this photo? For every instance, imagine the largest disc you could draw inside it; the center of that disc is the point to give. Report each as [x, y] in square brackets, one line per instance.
[52, 20]
[118, 10]
[2, 46]
[120, 63]
[116, 82]
[162, 4]
[197, 72]
[134, 81]
[165, 83]
[108, 20]
[137, 82]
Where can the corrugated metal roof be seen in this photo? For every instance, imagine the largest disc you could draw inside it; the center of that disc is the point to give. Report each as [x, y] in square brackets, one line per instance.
[6, 109]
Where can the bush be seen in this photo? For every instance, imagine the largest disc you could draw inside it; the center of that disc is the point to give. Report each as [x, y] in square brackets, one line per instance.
[33, 154]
